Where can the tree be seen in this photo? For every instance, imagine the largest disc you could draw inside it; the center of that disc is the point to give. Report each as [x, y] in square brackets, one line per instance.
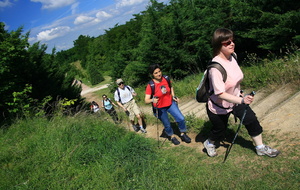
[81, 49]
[26, 70]
[94, 74]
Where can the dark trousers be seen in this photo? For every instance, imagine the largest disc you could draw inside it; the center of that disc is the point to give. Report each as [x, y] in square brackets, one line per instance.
[112, 112]
[220, 122]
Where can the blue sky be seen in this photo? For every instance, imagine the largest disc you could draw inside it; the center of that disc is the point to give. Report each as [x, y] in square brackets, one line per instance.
[58, 23]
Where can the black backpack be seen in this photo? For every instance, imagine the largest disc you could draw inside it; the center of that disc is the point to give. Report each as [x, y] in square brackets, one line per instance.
[202, 91]
[152, 85]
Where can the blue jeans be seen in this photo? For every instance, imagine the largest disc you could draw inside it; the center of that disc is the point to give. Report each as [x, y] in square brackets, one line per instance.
[176, 113]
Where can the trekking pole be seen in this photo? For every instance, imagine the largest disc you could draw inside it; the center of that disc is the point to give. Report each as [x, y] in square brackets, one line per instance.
[157, 126]
[237, 131]
[156, 115]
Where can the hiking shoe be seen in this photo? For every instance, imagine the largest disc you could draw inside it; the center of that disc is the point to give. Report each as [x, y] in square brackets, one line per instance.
[135, 128]
[267, 151]
[143, 130]
[210, 148]
[175, 141]
[185, 138]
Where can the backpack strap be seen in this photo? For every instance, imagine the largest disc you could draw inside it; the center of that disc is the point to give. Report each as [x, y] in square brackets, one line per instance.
[168, 80]
[152, 85]
[218, 66]
[119, 95]
[234, 55]
[119, 92]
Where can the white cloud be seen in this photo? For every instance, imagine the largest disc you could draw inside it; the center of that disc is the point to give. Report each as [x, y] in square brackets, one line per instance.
[74, 8]
[124, 3]
[64, 46]
[83, 19]
[102, 15]
[53, 33]
[63, 31]
[5, 3]
[53, 4]
[31, 39]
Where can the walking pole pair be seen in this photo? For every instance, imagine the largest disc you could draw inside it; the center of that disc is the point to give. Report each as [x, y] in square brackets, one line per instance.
[237, 131]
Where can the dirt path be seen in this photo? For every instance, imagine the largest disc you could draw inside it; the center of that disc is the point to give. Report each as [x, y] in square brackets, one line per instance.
[278, 113]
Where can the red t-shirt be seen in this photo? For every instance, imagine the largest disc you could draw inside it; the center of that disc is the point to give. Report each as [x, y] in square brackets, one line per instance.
[163, 92]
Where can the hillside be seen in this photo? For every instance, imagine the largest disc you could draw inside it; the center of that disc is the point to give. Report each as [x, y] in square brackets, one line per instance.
[277, 111]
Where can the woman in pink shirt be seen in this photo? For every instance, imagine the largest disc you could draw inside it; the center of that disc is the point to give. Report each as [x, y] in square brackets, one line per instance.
[227, 99]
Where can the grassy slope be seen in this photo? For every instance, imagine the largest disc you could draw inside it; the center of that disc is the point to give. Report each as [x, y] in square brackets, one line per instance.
[86, 152]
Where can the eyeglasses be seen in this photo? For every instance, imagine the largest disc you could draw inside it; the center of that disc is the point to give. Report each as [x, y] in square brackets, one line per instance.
[227, 43]
[121, 83]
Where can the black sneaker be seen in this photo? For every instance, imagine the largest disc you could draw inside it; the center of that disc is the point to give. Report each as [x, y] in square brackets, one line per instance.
[185, 138]
[135, 128]
[175, 141]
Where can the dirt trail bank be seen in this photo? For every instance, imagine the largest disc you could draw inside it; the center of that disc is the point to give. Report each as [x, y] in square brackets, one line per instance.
[278, 113]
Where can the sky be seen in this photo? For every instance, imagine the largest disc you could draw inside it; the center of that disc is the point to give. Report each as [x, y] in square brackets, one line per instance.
[58, 23]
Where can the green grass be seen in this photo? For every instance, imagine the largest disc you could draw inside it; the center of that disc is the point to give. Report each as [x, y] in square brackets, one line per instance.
[85, 152]
[273, 73]
[89, 152]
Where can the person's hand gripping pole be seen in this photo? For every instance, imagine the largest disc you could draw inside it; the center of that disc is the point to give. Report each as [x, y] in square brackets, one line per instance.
[237, 131]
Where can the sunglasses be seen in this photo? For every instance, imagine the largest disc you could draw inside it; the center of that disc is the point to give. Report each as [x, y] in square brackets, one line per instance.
[227, 43]
[121, 83]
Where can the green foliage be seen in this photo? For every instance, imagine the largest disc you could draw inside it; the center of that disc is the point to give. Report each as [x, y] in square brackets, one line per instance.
[22, 64]
[195, 124]
[94, 74]
[272, 72]
[24, 105]
[134, 72]
[63, 106]
[81, 48]
[177, 36]
[187, 86]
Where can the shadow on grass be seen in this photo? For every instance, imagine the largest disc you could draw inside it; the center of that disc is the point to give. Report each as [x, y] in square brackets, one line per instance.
[226, 140]
[175, 128]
